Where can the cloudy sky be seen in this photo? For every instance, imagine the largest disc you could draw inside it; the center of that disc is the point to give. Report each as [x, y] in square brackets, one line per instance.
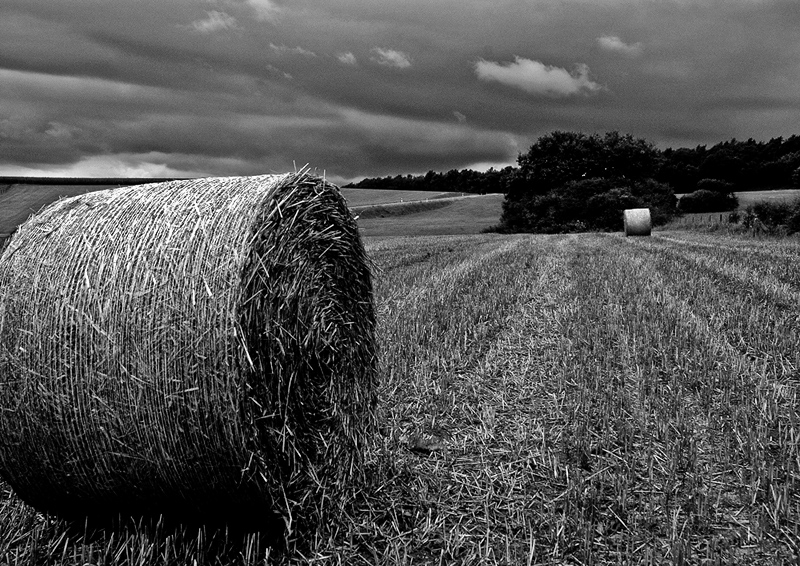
[371, 87]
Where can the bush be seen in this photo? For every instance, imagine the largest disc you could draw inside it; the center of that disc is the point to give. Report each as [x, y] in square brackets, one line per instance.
[771, 214]
[773, 218]
[605, 209]
[793, 222]
[704, 200]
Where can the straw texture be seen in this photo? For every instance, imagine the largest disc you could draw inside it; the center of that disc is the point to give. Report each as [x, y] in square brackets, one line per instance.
[637, 222]
[203, 348]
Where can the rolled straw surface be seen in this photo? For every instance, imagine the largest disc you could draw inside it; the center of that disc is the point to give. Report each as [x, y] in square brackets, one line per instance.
[637, 222]
[201, 347]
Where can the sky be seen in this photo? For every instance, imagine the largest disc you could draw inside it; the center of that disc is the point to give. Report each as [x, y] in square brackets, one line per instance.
[366, 88]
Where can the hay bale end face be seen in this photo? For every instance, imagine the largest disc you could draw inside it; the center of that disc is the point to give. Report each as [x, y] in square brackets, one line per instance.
[637, 222]
[203, 348]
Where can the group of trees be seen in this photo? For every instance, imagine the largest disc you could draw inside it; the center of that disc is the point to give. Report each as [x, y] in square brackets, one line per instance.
[746, 165]
[572, 181]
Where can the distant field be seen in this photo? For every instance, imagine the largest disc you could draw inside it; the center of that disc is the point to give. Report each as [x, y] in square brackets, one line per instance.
[18, 202]
[468, 215]
[751, 197]
[362, 197]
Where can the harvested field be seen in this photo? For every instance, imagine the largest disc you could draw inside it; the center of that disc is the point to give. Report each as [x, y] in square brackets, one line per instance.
[540, 405]
[564, 410]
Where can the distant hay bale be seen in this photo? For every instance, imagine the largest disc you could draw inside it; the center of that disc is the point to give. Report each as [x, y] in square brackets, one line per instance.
[637, 222]
[201, 347]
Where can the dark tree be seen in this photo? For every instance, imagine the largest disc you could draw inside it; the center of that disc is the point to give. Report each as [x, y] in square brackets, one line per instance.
[747, 165]
[571, 181]
[704, 200]
[560, 157]
[680, 168]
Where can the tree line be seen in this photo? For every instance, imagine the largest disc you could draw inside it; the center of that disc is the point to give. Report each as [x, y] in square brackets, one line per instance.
[464, 181]
[747, 165]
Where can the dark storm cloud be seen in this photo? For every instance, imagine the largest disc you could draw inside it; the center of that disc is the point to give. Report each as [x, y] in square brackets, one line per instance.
[372, 88]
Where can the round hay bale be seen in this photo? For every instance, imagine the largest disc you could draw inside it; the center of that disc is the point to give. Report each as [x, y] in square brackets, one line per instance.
[637, 222]
[202, 348]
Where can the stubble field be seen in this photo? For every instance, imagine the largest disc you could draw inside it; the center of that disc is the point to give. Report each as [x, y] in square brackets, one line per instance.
[594, 399]
[577, 399]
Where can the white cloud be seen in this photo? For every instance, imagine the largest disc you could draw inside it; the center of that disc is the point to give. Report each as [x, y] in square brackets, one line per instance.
[537, 78]
[346, 58]
[216, 21]
[292, 50]
[614, 44]
[390, 58]
[266, 10]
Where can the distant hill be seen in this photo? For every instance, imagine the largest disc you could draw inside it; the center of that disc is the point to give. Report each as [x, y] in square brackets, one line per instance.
[448, 216]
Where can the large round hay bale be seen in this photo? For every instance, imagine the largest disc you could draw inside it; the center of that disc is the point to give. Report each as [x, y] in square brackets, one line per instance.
[202, 347]
[637, 222]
